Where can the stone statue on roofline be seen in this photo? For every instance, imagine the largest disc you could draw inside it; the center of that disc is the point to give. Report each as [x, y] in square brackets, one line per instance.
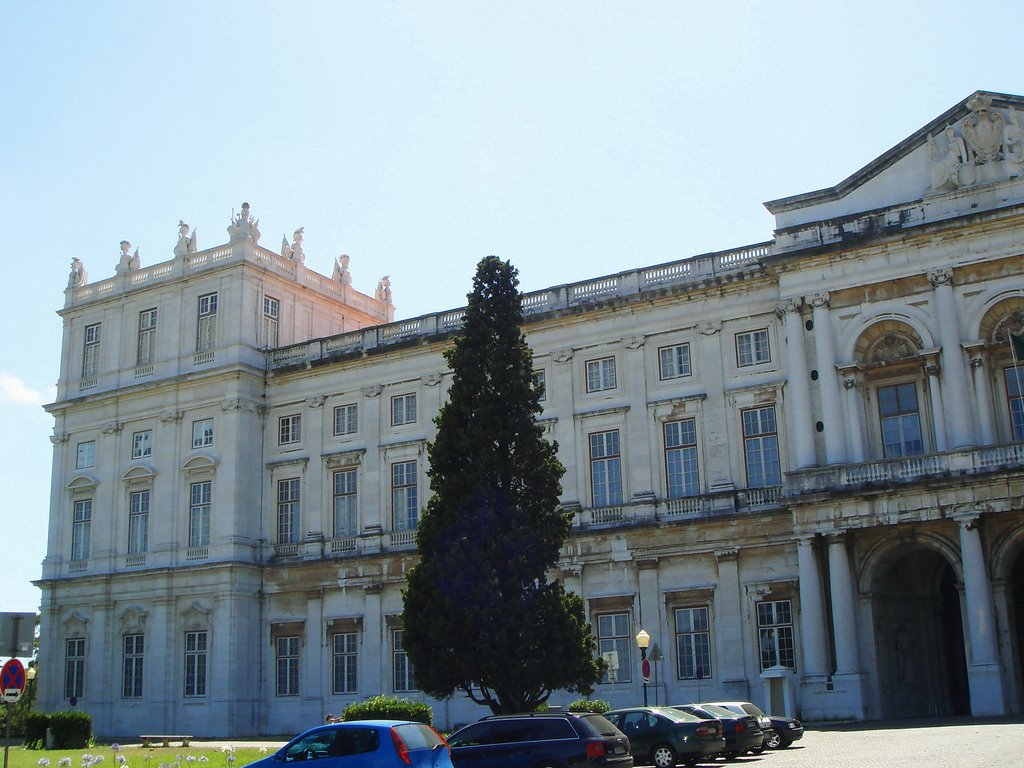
[243, 226]
[341, 273]
[128, 262]
[1013, 145]
[384, 290]
[78, 276]
[293, 251]
[186, 243]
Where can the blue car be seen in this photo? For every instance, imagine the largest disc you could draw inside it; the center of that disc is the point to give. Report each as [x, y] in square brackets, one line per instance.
[365, 744]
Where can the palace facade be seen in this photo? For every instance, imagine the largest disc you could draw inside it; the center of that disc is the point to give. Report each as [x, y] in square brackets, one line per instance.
[798, 464]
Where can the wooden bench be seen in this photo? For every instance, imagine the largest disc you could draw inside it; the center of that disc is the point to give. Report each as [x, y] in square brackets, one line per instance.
[165, 739]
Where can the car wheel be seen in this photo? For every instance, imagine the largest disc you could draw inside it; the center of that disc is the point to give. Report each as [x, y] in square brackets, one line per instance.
[784, 742]
[772, 740]
[663, 756]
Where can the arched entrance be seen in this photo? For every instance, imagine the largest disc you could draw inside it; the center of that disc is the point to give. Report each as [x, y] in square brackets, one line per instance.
[919, 638]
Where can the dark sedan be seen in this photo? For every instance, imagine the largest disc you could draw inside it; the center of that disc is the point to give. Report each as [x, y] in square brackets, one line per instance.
[786, 731]
[742, 732]
[663, 736]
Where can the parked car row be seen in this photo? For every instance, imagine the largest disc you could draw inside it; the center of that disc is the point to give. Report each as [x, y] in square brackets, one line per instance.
[659, 736]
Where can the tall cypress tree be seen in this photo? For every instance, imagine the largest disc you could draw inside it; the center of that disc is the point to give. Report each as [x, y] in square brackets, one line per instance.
[480, 615]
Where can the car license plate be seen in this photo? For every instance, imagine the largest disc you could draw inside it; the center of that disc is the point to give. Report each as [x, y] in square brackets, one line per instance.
[620, 750]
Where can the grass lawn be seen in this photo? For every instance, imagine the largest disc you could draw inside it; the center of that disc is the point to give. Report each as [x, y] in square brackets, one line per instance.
[133, 757]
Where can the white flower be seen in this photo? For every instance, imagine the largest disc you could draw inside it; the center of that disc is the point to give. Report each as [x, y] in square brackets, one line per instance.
[263, 750]
[64, 762]
[115, 747]
[204, 759]
[121, 759]
[231, 758]
[43, 762]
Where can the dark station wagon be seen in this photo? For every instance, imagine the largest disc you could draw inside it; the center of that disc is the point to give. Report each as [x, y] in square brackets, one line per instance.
[541, 740]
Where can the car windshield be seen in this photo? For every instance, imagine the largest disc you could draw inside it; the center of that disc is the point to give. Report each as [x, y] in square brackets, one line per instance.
[750, 709]
[693, 709]
[601, 724]
[716, 711]
[678, 716]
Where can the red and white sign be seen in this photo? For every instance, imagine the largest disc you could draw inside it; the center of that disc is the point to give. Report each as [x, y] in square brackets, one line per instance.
[645, 670]
[12, 680]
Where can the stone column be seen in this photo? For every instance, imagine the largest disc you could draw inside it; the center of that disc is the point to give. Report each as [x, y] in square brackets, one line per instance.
[983, 397]
[828, 382]
[843, 610]
[717, 467]
[855, 419]
[798, 391]
[935, 396]
[651, 619]
[812, 611]
[983, 668]
[959, 408]
[729, 625]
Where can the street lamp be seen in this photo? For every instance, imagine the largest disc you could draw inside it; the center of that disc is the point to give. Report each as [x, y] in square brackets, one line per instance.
[642, 641]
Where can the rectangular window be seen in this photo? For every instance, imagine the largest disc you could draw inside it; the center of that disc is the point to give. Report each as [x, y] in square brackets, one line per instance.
[693, 643]
[200, 499]
[287, 666]
[346, 419]
[86, 455]
[614, 643]
[761, 447]
[91, 351]
[404, 502]
[138, 522]
[403, 667]
[900, 420]
[202, 433]
[605, 468]
[345, 497]
[540, 382]
[674, 362]
[775, 634]
[752, 348]
[147, 337]
[81, 531]
[206, 333]
[681, 471]
[289, 429]
[271, 315]
[403, 410]
[131, 675]
[195, 663]
[601, 374]
[74, 668]
[343, 662]
[288, 511]
[1015, 398]
[142, 444]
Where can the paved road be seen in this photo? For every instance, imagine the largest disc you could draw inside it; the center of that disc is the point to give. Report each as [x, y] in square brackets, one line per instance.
[921, 744]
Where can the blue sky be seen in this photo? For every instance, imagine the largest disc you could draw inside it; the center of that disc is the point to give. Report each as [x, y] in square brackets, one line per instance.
[574, 138]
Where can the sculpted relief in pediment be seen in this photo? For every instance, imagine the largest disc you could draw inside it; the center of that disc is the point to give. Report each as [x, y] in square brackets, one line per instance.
[989, 147]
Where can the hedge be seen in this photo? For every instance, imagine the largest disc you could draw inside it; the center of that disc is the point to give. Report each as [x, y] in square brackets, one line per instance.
[388, 708]
[70, 730]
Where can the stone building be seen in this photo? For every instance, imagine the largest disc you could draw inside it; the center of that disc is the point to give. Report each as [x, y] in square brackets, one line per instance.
[798, 465]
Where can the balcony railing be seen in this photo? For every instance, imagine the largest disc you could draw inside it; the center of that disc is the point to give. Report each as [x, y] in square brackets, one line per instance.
[968, 461]
[624, 284]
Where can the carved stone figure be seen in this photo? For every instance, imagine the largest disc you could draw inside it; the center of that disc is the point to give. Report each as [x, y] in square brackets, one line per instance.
[127, 263]
[341, 273]
[78, 277]
[244, 226]
[983, 130]
[293, 251]
[186, 243]
[891, 348]
[384, 289]
[950, 168]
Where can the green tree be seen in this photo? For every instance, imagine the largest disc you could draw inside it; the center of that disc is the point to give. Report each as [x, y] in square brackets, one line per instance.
[480, 615]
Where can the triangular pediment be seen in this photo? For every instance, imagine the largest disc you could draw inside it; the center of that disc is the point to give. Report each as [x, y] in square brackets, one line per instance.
[960, 155]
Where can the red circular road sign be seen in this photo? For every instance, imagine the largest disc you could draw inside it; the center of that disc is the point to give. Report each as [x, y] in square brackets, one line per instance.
[645, 670]
[12, 680]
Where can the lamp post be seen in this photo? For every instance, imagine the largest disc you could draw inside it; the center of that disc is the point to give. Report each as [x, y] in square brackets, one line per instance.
[642, 641]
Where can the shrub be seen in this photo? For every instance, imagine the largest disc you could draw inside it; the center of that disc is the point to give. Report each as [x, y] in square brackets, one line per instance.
[71, 730]
[35, 725]
[590, 705]
[388, 708]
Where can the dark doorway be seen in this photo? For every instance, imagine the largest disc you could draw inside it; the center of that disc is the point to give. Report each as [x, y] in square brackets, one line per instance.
[1016, 594]
[919, 637]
